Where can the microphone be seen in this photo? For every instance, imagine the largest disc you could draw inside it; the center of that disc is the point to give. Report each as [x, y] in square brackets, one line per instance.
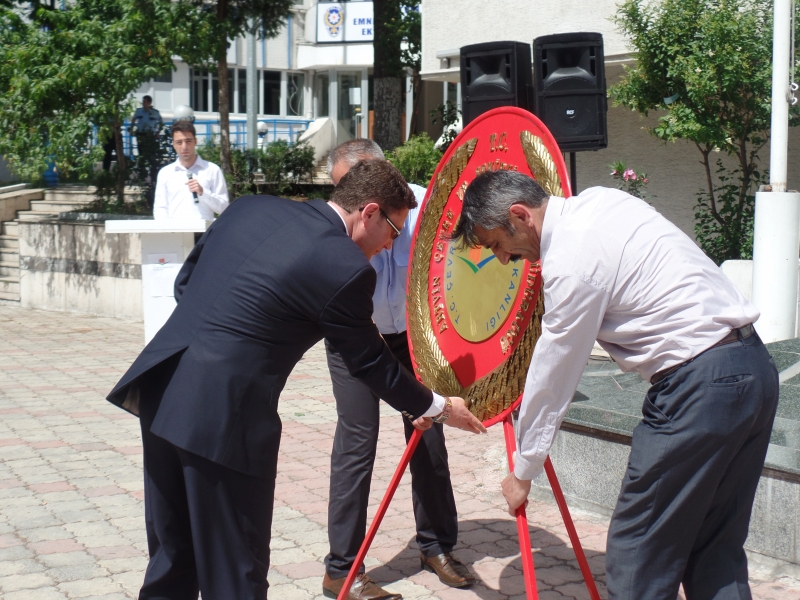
[194, 194]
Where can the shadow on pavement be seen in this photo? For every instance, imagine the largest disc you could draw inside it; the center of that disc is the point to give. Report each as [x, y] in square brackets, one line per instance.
[496, 540]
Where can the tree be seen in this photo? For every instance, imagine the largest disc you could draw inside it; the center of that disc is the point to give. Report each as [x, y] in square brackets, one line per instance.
[397, 46]
[227, 20]
[708, 64]
[66, 74]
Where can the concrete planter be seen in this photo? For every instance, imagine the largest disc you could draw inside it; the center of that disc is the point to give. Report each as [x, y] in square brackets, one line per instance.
[76, 266]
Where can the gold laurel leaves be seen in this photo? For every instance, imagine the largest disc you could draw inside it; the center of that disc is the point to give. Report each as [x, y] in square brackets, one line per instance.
[496, 391]
[433, 368]
[493, 393]
[541, 163]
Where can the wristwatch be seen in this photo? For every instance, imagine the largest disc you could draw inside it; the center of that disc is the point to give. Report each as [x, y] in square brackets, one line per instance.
[445, 414]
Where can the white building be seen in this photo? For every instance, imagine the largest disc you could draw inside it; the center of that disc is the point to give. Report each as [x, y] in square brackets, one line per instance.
[299, 79]
[674, 170]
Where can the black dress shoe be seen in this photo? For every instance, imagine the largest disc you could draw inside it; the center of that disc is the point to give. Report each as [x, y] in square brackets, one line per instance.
[450, 570]
[363, 589]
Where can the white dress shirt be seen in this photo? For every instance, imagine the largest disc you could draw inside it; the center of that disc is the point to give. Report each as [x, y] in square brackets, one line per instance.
[437, 406]
[174, 200]
[614, 269]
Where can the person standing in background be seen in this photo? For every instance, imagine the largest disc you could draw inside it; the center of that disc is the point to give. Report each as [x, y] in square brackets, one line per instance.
[191, 187]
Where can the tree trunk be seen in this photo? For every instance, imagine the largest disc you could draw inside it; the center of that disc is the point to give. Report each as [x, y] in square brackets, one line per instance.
[387, 75]
[224, 110]
[388, 100]
[122, 168]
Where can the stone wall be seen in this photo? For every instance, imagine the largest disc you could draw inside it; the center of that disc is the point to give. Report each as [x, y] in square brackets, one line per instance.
[76, 266]
[590, 466]
[11, 202]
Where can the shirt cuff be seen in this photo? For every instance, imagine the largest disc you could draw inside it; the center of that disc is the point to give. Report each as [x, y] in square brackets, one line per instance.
[527, 470]
[436, 407]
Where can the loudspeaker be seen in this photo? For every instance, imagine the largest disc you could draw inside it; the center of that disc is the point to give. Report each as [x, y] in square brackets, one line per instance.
[569, 81]
[494, 74]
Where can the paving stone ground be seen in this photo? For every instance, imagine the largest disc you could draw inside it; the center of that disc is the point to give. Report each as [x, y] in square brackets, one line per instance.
[71, 500]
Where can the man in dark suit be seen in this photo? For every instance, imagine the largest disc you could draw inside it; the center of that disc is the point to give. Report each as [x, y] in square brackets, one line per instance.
[267, 281]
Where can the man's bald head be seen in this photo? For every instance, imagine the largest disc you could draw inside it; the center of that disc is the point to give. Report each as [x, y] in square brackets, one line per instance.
[350, 153]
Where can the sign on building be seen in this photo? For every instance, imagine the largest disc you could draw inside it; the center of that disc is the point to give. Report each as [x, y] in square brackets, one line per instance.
[340, 22]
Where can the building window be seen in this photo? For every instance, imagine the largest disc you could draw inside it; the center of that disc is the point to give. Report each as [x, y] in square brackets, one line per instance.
[242, 87]
[295, 89]
[198, 90]
[165, 77]
[323, 85]
[272, 92]
[452, 94]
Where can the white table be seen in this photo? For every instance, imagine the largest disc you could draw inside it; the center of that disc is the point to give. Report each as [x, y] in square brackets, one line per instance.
[165, 246]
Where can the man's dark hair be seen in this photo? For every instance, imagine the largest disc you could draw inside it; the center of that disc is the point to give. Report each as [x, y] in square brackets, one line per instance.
[487, 202]
[373, 181]
[353, 151]
[148, 98]
[185, 127]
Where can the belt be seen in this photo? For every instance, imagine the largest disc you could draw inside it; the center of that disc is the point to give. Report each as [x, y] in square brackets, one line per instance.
[733, 336]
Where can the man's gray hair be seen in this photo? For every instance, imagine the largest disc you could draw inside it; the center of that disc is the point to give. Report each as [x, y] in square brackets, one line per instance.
[354, 151]
[488, 200]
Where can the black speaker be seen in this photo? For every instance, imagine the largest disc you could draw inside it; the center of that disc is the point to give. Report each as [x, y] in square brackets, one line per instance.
[569, 81]
[494, 74]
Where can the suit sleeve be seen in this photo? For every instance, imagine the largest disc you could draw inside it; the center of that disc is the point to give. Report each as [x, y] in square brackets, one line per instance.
[182, 280]
[346, 322]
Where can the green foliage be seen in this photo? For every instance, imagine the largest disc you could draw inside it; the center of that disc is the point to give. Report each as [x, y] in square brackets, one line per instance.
[398, 37]
[107, 201]
[416, 159]
[65, 74]
[283, 165]
[448, 114]
[735, 239]
[629, 180]
[707, 63]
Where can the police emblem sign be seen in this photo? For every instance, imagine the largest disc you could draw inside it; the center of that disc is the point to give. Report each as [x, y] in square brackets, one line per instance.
[340, 22]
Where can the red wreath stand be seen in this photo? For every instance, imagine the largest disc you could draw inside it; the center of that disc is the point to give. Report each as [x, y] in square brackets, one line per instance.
[526, 551]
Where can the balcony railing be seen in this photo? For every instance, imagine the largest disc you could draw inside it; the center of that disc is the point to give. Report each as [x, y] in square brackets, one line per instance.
[208, 131]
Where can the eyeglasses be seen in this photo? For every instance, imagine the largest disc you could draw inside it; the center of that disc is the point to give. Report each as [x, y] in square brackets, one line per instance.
[397, 231]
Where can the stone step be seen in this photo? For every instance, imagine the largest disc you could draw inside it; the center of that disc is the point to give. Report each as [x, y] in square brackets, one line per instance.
[83, 194]
[9, 270]
[9, 242]
[58, 207]
[9, 228]
[36, 215]
[9, 256]
[9, 285]
[9, 296]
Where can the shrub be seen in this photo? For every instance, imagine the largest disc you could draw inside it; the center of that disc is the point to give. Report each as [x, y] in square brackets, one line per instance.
[629, 180]
[416, 159]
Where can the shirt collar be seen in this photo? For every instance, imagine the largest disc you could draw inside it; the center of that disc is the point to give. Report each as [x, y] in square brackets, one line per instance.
[554, 211]
[198, 164]
[346, 229]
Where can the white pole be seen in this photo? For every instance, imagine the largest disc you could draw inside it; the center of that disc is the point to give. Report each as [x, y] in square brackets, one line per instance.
[777, 216]
[252, 93]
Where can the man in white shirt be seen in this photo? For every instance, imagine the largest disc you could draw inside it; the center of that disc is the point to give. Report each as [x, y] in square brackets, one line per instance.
[615, 270]
[189, 188]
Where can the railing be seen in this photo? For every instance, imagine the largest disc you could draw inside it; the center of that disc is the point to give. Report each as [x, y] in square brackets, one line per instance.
[208, 131]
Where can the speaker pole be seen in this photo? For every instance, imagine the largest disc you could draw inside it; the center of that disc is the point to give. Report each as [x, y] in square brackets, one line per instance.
[573, 173]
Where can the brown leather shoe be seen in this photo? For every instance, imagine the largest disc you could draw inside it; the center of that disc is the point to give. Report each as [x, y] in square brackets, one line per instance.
[363, 589]
[450, 570]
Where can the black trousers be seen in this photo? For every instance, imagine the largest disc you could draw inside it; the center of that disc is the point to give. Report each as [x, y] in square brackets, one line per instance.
[352, 460]
[684, 509]
[208, 526]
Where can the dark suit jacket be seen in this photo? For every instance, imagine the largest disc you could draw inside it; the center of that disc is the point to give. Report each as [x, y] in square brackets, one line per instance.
[267, 281]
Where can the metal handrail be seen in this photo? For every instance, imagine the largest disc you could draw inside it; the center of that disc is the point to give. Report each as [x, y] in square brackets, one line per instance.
[208, 129]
